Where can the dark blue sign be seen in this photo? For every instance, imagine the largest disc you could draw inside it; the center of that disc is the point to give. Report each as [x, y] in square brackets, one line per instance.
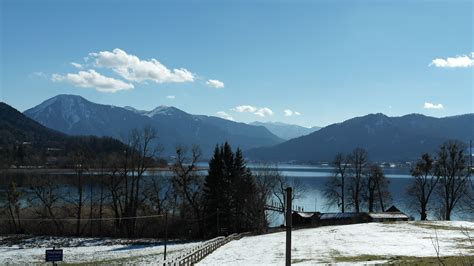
[54, 255]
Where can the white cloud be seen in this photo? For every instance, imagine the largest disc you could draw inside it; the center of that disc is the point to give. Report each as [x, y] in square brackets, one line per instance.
[245, 109]
[171, 97]
[132, 68]
[289, 112]
[92, 79]
[263, 112]
[452, 62]
[433, 106]
[38, 74]
[225, 115]
[76, 65]
[215, 83]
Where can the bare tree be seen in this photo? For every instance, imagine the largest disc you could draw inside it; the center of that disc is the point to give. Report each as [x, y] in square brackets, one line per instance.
[187, 183]
[266, 180]
[13, 203]
[377, 188]
[335, 187]
[424, 184]
[79, 166]
[358, 166]
[45, 192]
[452, 169]
[283, 182]
[158, 192]
[126, 174]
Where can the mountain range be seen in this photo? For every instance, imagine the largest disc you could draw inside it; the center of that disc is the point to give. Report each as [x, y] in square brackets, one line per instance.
[17, 130]
[286, 131]
[75, 115]
[385, 138]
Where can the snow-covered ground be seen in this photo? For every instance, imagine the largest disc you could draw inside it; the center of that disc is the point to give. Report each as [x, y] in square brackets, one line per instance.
[31, 250]
[350, 243]
[378, 242]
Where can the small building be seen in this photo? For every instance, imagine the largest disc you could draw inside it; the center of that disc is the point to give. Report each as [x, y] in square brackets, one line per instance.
[340, 218]
[304, 218]
[392, 214]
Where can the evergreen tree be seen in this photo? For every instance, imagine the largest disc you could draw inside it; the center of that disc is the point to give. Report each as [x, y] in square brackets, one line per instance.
[230, 193]
[244, 194]
[213, 186]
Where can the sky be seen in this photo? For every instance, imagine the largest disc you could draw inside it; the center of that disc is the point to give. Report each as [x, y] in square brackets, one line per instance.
[311, 63]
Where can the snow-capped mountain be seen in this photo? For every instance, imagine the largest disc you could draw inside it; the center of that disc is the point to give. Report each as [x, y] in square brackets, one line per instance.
[75, 115]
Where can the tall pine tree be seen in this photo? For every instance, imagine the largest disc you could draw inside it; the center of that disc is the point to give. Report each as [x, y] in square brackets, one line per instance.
[230, 193]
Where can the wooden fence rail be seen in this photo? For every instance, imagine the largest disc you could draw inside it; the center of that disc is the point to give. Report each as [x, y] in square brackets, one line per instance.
[197, 253]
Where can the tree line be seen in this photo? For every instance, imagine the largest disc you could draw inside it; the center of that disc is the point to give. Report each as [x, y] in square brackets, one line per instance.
[120, 193]
[440, 183]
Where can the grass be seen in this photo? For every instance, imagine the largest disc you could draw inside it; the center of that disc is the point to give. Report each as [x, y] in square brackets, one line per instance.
[407, 260]
[428, 225]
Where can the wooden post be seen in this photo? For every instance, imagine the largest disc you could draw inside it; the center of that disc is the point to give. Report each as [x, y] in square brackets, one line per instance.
[288, 226]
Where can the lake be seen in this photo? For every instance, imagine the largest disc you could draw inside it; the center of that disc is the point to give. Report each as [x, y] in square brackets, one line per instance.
[314, 179]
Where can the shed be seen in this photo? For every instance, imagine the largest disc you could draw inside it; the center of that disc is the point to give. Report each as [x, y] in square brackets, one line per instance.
[340, 218]
[304, 218]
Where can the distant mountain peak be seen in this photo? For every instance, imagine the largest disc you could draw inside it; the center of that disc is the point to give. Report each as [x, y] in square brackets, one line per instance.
[62, 99]
[165, 110]
[130, 108]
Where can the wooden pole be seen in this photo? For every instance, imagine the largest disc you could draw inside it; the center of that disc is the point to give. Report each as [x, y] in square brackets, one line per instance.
[288, 226]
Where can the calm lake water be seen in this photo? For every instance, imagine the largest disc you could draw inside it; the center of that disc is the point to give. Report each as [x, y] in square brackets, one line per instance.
[314, 179]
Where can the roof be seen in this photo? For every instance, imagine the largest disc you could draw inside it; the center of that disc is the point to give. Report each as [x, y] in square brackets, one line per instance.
[388, 215]
[306, 214]
[392, 209]
[340, 215]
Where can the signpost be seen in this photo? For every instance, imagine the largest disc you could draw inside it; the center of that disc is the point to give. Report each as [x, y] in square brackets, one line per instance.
[53, 255]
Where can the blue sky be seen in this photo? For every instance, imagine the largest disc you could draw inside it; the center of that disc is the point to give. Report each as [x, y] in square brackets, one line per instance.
[325, 61]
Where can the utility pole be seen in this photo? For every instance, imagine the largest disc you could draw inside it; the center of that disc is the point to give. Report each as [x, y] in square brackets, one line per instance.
[288, 226]
[166, 233]
[470, 157]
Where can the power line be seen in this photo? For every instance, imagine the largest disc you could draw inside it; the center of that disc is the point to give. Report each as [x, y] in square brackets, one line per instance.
[109, 219]
[86, 219]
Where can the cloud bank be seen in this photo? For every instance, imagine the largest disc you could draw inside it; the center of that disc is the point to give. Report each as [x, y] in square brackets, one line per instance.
[132, 68]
